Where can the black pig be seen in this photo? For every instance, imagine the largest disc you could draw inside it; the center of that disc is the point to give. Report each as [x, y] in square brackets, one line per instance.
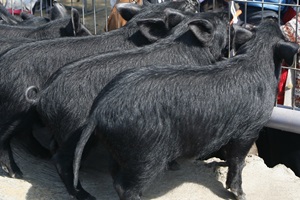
[198, 40]
[9, 43]
[33, 63]
[149, 116]
[68, 26]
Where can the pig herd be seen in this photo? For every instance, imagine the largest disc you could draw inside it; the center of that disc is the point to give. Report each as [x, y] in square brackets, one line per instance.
[160, 88]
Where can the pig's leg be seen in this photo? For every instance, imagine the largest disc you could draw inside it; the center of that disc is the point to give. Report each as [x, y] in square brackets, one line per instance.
[8, 164]
[63, 161]
[237, 150]
[20, 124]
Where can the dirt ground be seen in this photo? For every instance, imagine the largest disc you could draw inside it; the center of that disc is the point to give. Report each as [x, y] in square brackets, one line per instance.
[195, 180]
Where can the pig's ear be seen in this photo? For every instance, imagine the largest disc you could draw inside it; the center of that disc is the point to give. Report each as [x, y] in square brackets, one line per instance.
[153, 29]
[128, 10]
[286, 51]
[203, 30]
[75, 17]
[173, 17]
[58, 11]
[26, 16]
[241, 36]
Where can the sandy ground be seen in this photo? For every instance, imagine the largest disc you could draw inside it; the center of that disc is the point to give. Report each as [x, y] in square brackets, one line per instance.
[201, 180]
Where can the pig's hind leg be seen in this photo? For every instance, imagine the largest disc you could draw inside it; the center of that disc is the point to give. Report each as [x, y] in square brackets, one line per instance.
[18, 125]
[8, 130]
